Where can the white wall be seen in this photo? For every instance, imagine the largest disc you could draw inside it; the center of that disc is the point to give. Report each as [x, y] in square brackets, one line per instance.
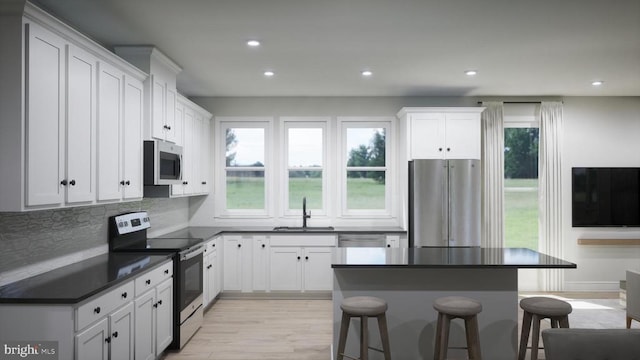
[598, 131]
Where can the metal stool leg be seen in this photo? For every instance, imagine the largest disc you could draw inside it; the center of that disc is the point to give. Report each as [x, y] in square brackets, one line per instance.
[524, 335]
[384, 336]
[344, 330]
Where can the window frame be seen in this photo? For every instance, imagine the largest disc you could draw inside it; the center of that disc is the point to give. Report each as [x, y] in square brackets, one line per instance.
[304, 123]
[265, 123]
[348, 122]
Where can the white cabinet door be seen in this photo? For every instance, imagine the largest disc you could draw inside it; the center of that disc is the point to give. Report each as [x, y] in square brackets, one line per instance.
[81, 122]
[208, 280]
[178, 189]
[427, 136]
[205, 156]
[164, 315]
[158, 87]
[92, 343]
[109, 121]
[216, 261]
[195, 182]
[232, 263]
[260, 262]
[170, 114]
[121, 333]
[132, 138]
[463, 136]
[144, 326]
[318, 274]
[286, 268]
[45, 118]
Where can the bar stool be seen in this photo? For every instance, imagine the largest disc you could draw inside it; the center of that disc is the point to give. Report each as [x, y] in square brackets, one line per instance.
[452, 307]
[535, 309]
[363, 307]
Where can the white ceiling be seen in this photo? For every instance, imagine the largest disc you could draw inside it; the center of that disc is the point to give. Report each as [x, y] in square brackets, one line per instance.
[413, 47]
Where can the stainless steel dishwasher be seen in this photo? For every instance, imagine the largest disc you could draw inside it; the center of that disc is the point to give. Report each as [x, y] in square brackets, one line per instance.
[362, 240]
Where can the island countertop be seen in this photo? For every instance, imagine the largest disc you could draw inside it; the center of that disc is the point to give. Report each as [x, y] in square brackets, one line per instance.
[446, 257]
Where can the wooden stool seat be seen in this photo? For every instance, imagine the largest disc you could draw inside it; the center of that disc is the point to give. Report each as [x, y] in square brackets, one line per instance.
[535, 309]
[363, 307]
[452, 307]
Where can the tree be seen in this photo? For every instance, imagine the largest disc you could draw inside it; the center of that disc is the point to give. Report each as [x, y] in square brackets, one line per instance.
[358, 157]
[231, 142]
[521, 153]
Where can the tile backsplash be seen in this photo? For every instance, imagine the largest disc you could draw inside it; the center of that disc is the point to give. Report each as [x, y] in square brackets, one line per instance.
[37, 241]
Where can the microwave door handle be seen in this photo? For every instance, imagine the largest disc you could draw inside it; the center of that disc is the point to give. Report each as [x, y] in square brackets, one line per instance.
[180, 167]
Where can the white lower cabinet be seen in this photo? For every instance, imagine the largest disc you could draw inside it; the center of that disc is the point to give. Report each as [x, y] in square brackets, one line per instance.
[212, 274]
[153, 321]
[237, 263]
[301, 263]
[260, 263]
[110, 338]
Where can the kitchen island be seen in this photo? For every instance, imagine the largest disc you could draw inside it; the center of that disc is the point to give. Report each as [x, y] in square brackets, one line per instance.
[410, 279]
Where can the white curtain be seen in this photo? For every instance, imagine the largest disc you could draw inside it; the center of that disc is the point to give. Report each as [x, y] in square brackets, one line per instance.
[550, 190]
[492, 175]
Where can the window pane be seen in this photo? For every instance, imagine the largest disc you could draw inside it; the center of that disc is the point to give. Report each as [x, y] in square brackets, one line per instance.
[245, 189]
[305, 147]
[305, 184]
[521, 187]
[245, 147]
[366, 146]
[365, 190]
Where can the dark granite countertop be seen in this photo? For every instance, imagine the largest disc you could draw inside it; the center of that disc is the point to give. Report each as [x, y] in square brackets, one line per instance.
[207, 232]
[76, 282]
[436, 257]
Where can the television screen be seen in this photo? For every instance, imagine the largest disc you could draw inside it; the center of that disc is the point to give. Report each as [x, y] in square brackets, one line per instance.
[605, 197]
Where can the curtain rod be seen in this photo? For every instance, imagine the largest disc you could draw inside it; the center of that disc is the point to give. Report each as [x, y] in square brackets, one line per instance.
[520, 102]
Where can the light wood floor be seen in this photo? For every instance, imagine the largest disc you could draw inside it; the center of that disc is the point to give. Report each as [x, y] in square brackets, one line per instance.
[262, 329]
[277, 329]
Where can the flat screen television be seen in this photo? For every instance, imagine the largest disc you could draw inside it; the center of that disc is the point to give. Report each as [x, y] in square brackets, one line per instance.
[603, 197]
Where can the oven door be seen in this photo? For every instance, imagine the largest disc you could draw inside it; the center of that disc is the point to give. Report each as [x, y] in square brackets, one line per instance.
[190, 276]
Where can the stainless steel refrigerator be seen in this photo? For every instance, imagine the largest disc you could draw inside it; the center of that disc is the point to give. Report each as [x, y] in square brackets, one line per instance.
[444, 203]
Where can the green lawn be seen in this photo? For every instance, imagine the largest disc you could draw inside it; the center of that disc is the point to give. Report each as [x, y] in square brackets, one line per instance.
[521, 213]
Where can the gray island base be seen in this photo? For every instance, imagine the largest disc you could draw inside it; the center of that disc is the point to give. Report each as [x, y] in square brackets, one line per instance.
[411, 279]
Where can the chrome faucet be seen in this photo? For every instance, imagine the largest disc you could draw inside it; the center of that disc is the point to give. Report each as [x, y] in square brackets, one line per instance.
[305, 216]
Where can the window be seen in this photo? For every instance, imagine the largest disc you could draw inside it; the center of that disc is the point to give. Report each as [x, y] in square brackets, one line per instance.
[365, 182]
[521, 139]
[245, 167]
[305, 162]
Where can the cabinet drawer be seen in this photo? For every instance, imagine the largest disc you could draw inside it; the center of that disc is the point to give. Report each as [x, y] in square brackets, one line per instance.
[303, 240]
[154, 277]
[102, 305]
[210, 247]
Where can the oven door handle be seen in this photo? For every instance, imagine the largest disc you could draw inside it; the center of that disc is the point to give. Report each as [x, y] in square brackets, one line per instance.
[191, 253]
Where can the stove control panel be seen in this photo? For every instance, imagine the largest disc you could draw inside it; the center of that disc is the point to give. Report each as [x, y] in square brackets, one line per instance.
[132, 222]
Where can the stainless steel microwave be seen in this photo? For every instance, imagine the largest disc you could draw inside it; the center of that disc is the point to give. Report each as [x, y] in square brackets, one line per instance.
[162, 163]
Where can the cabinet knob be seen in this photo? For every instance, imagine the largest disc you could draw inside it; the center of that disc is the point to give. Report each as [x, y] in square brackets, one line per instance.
[128, 182]
[263, 245]
[204, 183]
[159, 302]
[108, 340]
[239, 245]
[298, 257]
[115, 334]
[155, 305]
[185, 182]
[439, 149]
[72, 183]
[166, 271]
[122, 182]
[306, 258]
[97, 310]
[148, 281]
[168, 127]
[63, 182]
[388, 245]
[448, 149]
[124, 295]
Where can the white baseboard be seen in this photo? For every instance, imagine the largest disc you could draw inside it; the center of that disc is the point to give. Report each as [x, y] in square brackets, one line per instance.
[594, 286]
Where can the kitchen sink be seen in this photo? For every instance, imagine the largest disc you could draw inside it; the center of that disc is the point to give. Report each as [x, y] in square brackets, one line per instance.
[300, 228]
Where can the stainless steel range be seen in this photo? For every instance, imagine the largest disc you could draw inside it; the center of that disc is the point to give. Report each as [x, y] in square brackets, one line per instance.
[128, 233]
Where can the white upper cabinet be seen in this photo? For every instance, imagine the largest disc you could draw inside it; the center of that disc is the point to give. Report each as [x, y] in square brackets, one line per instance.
[45, 117]
[442, 133]
[62, 117]
[132, 135]
[160, 88]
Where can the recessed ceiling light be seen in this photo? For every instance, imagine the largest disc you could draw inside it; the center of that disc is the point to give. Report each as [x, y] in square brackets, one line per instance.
[253, 43]
[597, 83]
[471, 72]
[366, 73]
[269, 73]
